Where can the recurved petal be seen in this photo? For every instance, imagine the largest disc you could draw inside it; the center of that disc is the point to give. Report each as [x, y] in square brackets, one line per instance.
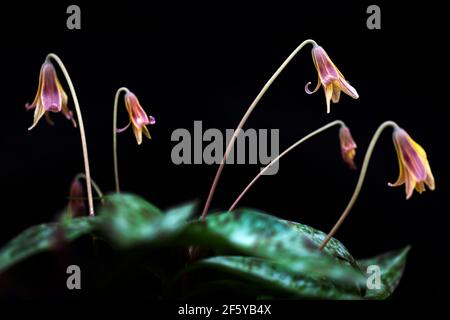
[124, 128]
[29, 106]
[315, 89]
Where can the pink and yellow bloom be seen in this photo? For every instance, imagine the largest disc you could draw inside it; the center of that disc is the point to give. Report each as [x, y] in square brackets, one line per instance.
[414, 168]
[348, 146]
[50, 96]
[330, 78]
[138, 118]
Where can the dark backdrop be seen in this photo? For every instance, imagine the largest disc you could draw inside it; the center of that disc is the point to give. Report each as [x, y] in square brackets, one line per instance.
[195, 60]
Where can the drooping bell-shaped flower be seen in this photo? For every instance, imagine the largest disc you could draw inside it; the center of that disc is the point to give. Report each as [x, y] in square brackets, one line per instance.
[50, 96]
[415, 170]
[138, 118]
[76, 206]
[348, 146]
[330, 78]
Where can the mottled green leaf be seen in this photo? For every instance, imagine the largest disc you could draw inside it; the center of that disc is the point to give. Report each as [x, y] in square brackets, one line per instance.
[129, 220]
[134, 207]
[334, 247]
[262, 235]
[279, 253]
[43, 237]
[391, 265]
[274, 278]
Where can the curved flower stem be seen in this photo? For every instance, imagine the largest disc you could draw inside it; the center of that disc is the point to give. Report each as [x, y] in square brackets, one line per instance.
[359, 184]
[82, 133]
[244, 119]
[307, 137]
[96, 187]
[116, 167]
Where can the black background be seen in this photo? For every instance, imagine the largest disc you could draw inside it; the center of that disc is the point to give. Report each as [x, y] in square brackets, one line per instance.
[201, 60]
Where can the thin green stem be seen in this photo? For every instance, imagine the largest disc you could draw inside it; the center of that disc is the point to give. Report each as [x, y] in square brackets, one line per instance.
[244, 119]
[116, 166]
[96, 187]
[285, 152]
[359, 184]
[82, 132]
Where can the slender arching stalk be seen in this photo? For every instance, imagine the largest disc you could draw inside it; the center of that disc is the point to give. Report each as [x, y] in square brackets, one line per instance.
[96, 187]
[296, 144]
[244, 119]
[359, 184]
[116, 167]
[81, 126]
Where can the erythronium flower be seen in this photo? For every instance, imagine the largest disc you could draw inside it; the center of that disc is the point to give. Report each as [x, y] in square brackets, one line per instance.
[330, 78]
[76, 206]
[414, 168]
[138, 118]
[50, 96]
[348, 146]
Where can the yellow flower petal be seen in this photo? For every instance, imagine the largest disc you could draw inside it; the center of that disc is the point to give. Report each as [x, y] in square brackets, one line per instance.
[38, 113]
[137, 134]
[328, 94]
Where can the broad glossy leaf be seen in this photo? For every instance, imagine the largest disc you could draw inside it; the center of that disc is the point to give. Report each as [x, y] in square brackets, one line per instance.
[262, 235]
[392, 265]
[44, 237]
[334, 247]
[129, 220]
[274, 278]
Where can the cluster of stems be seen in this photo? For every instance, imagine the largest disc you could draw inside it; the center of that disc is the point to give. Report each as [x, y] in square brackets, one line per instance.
[329, 125]
[90, 183]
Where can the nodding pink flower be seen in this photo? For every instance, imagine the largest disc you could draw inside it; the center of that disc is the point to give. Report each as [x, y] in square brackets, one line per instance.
[330, 77]
[138, 118]
[414, 168]
[50, 96]
[348, 146]
[76, 207]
